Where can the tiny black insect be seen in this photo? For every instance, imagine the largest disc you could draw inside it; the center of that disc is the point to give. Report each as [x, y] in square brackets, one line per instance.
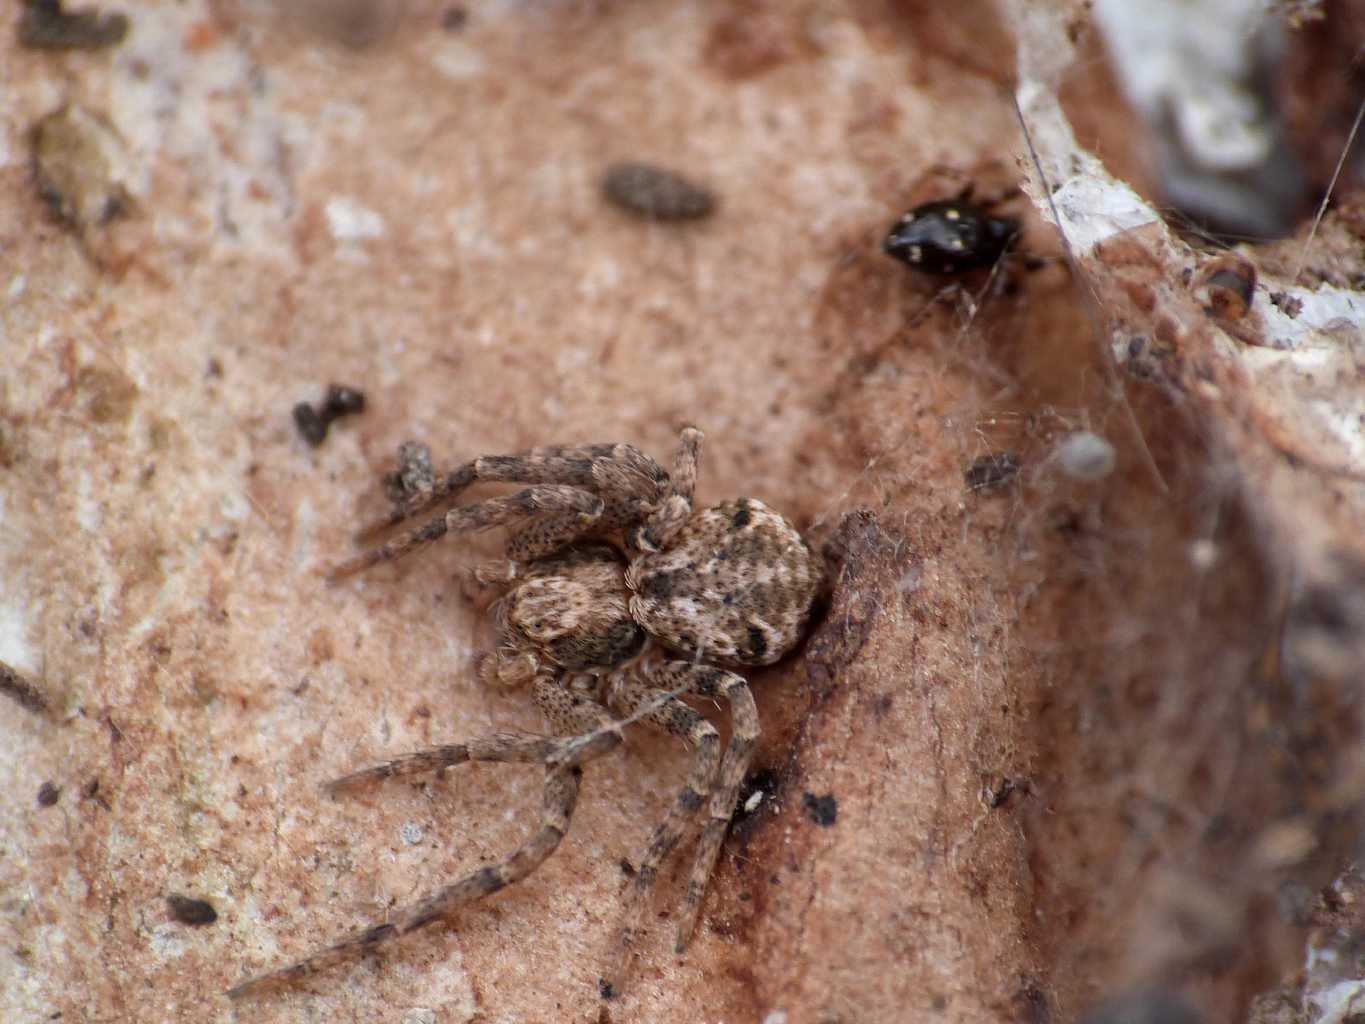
[950, 236]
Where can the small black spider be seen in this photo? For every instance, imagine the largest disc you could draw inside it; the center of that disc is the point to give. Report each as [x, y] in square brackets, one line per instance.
[950, 236]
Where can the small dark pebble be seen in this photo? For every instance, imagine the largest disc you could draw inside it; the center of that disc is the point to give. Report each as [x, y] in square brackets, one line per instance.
[48, 794]
[655, 193]
[343, 401]
[822, 809]
[312, 427]
[454, 19]
[188, 910]
[340, 401]
[627, 868]
[992, 472]
[45, 26]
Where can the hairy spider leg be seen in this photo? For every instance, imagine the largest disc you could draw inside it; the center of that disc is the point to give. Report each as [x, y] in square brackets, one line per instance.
[558, 515]
[670, 714]
[620, 470]
[712, 682]
[518, 747]
[700, 680]
[573, 715]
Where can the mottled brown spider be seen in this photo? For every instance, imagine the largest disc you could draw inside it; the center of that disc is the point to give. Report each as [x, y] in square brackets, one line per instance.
[615, 599]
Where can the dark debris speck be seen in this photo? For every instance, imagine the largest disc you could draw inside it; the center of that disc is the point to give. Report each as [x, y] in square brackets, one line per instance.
[312, 427]
[48, 794]
[823, 810]
[453, 19]
[21, 688]
[991, 472]
[191, 911]
[1290, 305]
[313, 423]
[656, 193]
[414, 476]
[45, 26]
[343, 401]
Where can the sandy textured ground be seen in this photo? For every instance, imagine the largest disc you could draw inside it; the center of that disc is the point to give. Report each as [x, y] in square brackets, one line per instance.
[413, 209]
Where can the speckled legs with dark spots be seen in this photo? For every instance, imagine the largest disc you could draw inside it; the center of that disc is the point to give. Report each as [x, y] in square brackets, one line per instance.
[592, 734]
[557, 515]
[621, 470]
[678, 677]
[705, 681]
[628, 696]
[608, 571]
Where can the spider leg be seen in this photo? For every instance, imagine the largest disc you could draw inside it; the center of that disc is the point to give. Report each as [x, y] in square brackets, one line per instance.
[483, 584]
[558, 514]
[685, 462]
[706, 681]
[659, 524]
[605, 468]
[561, 793]
[673, 716]
[504, 746]
[575, 715]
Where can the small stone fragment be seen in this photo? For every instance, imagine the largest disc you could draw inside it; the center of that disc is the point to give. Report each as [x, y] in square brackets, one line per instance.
[190, 911]
[45, 26]
[656, 193]
[414, 476]
[342, 401]
[78, 165]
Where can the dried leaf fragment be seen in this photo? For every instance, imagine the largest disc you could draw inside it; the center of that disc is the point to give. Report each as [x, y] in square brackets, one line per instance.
[79, 167]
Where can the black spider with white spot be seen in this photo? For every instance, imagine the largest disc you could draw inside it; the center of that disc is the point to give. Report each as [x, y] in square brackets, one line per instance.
[950, 236]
